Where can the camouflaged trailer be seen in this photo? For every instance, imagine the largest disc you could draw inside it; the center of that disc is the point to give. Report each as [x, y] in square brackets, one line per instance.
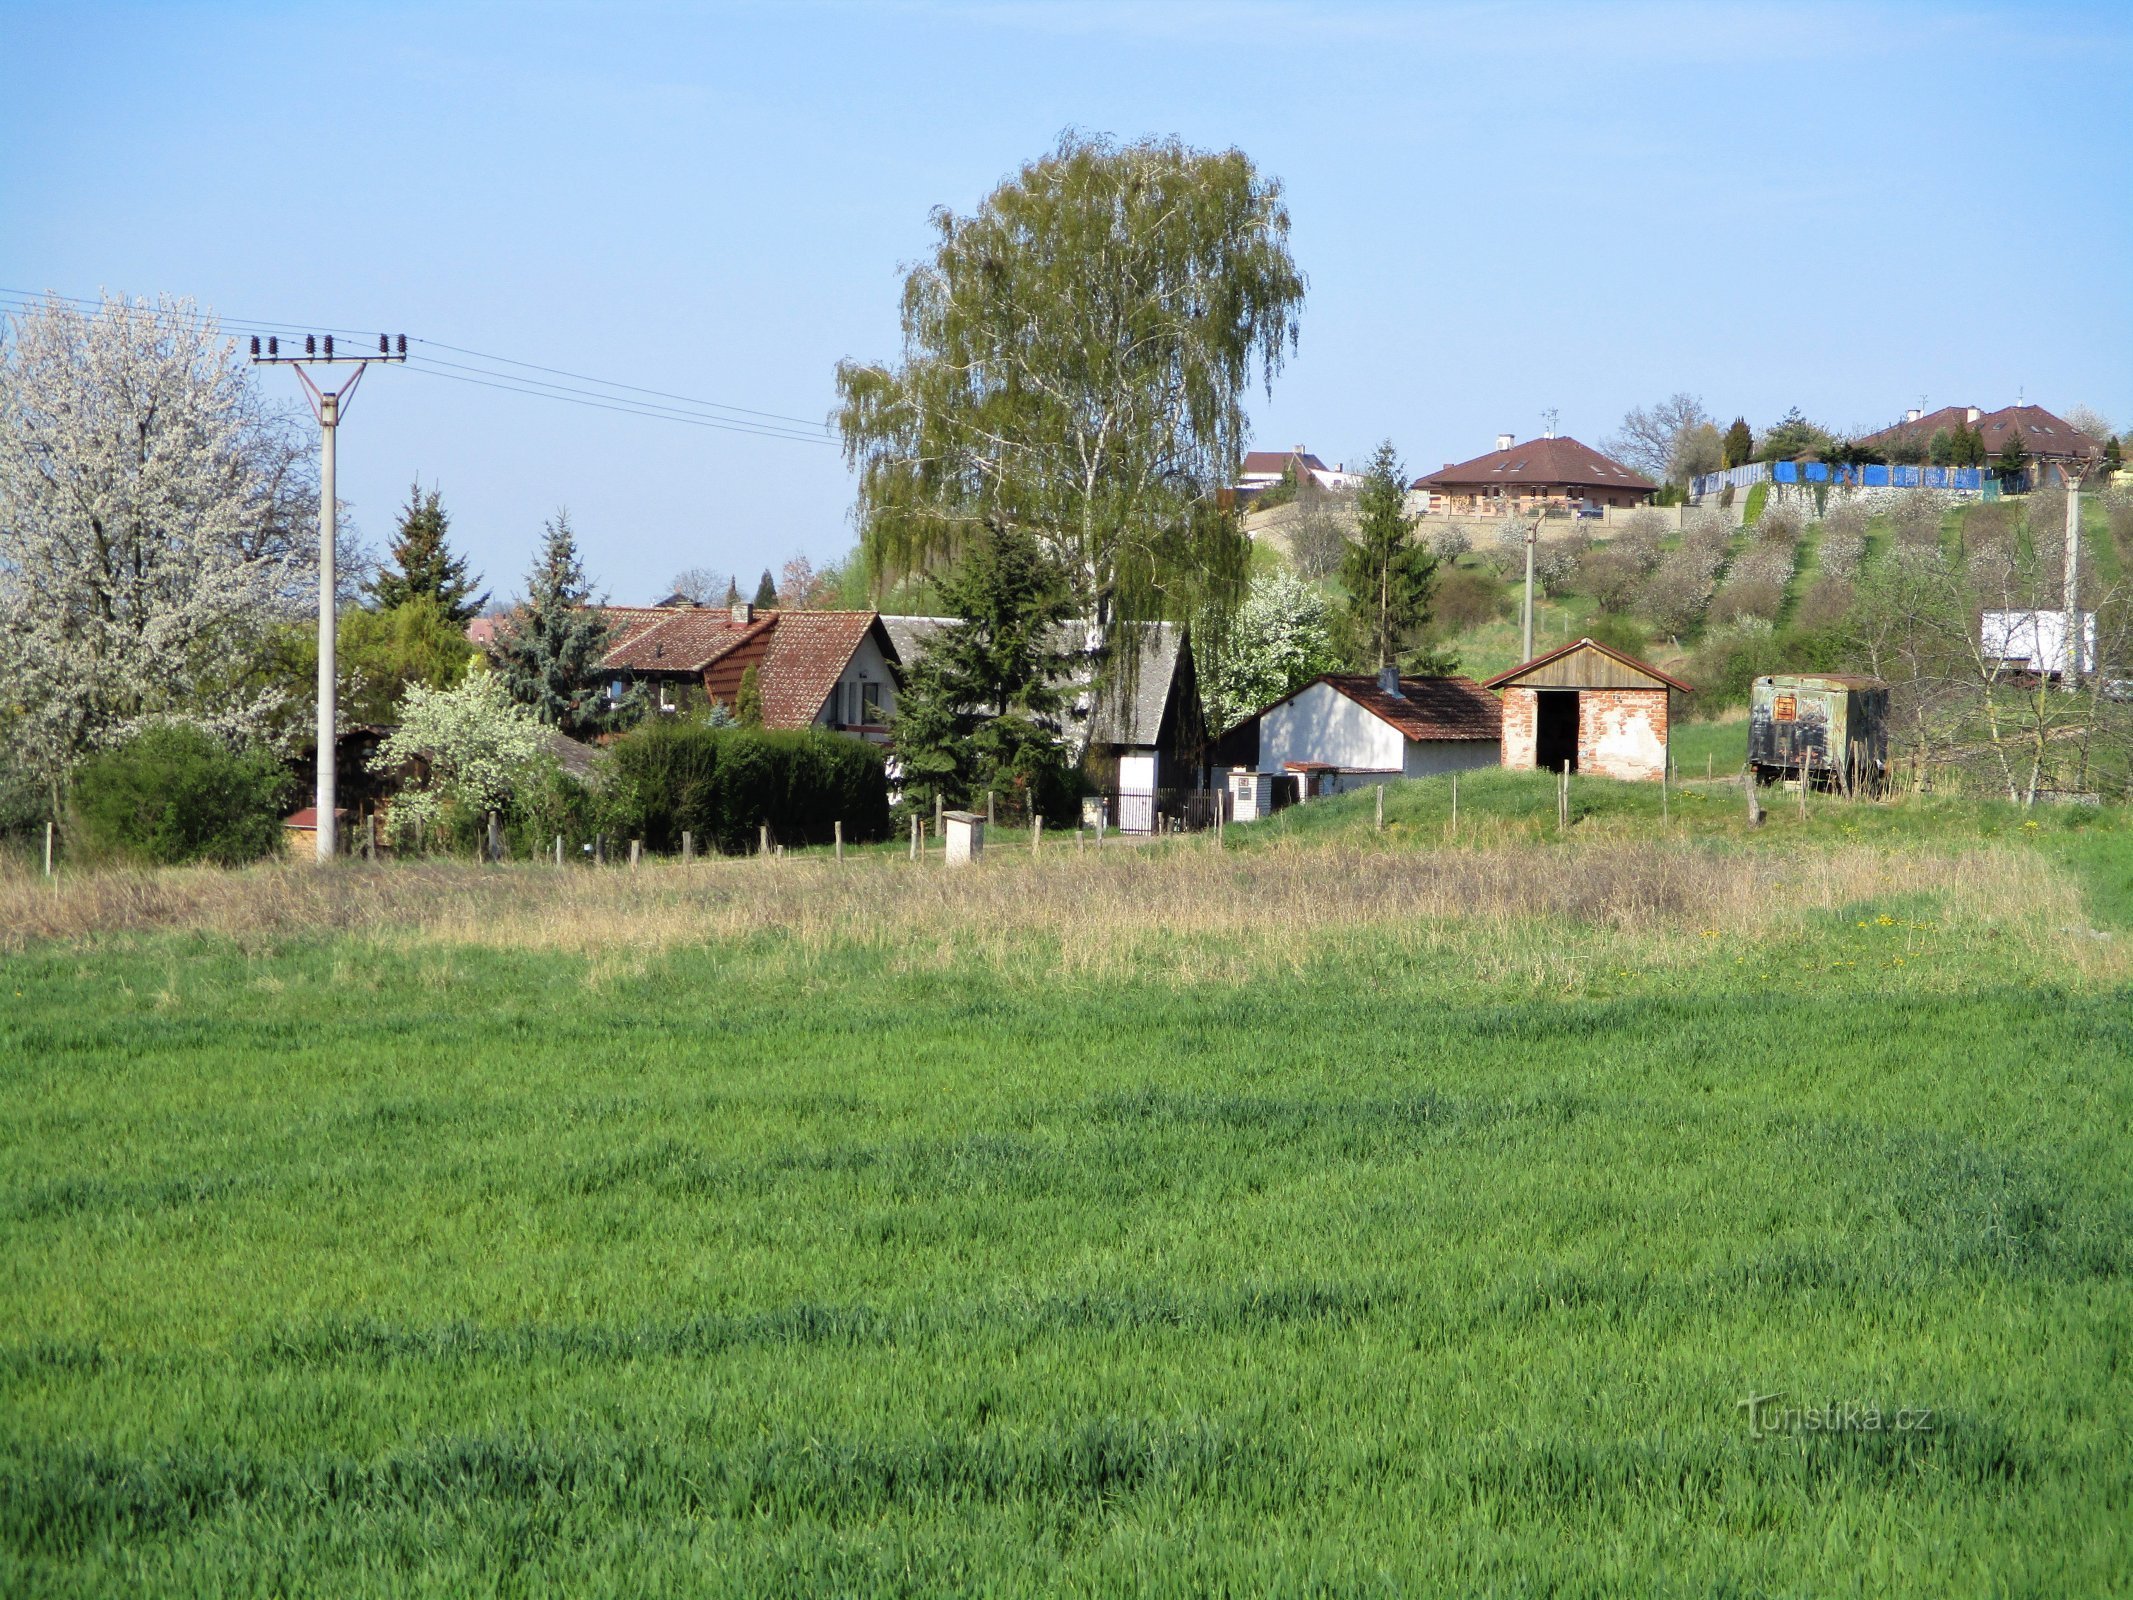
[1830, 727]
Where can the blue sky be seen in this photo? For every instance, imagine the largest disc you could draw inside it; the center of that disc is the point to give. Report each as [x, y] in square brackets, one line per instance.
[1500, 208]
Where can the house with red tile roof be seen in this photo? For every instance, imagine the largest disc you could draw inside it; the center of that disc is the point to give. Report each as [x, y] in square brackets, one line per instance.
[1262, 469]
[819, 669]
[1552, 473]
[1346, 730]
[2050, 441]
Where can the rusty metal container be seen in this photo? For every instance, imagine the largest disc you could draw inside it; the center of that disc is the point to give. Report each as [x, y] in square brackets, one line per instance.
[1831, 728]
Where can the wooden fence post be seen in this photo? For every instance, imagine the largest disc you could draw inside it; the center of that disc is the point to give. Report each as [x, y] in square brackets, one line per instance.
[840, 838]
[1381, 808]
[1455, 805]
[1755, 806]
[688, 844]
[936, 816]
[762, 839]
[48, 848]
[1036, 833]
[496, 837]
[988, 808]
[636, 851]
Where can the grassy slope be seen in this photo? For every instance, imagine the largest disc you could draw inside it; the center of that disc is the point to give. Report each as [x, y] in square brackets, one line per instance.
[406, 1266]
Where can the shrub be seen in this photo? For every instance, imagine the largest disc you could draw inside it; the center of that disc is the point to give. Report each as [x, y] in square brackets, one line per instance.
[1611, 573]
[1748, 598]
[1450, 542]
[1619, 633]
[722, 784]
[1782, 523]
[1464, 598]
[1825, 604]
[1727, 663]
[174, 793]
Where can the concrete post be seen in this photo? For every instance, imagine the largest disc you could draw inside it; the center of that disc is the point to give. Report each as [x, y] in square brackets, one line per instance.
[329, 416]
[840, 838]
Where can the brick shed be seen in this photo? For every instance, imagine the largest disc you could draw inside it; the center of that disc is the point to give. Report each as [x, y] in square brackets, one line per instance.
[1588, 708]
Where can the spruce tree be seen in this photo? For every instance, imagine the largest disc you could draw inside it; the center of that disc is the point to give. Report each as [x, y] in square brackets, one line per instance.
[2113, 454]
[423, 566]
[980, 707]
[766, 593]
[2013, 458]
[548, 653]
[1388, 573]
[748, 698]
[1739, 443]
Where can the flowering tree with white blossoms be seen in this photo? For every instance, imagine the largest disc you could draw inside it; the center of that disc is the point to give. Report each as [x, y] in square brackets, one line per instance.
[477, 743]
[154, 530]
[1282, 638]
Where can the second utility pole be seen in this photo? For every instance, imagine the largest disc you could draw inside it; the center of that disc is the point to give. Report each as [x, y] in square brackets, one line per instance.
[326, 405]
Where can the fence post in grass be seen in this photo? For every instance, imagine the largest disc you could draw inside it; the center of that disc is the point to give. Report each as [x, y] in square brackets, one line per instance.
[1707, 766]
[914, 836]
[688, 844]
[839, 825]
[636, 851]
[988, 808]
[48, 849]
[1755, 806]
[496, 837]
[1381, 808]
[1455, 805]
[1079, 842]
[373, 833]
[937, 809]
[1036, 833]
[1807, 776]
[559, 849]
[762, 839]
[1666, 782]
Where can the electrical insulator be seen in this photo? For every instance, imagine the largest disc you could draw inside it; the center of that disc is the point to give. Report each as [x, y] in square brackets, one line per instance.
[255, 347]
[329, 347]
[403, 344]
[381, 344]
[273, 347]
[310, 344]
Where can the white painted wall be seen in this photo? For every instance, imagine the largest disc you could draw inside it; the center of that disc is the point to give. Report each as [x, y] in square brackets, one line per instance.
[868, 665]
[1427, 757]
[1322, 724]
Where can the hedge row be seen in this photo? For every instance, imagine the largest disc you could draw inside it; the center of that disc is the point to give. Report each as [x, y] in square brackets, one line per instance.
[723, 784]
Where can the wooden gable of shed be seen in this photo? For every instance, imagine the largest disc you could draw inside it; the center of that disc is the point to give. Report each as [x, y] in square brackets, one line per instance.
[1586, 664]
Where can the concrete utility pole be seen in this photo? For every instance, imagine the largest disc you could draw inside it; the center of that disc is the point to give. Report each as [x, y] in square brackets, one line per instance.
[327, 405]
[1525, 632]
[2075, 633]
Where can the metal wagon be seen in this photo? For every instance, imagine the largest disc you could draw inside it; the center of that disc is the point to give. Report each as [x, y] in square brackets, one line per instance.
[1829, 729]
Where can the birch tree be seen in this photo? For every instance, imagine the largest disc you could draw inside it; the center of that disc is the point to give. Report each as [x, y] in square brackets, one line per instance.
[1075, 358]
[155, 528]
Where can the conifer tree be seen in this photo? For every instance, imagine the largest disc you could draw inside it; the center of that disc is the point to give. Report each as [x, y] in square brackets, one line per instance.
[423, 565]
[748, 699]
[980, 707]
[1387, 572]
[2012, 458]
[1740, 443]
[766, 593]
[548, 654]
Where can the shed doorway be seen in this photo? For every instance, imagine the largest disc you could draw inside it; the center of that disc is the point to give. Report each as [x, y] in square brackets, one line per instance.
[1555, 730]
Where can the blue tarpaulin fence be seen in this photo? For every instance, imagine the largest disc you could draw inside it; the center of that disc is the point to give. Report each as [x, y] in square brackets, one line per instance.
[1971, 479]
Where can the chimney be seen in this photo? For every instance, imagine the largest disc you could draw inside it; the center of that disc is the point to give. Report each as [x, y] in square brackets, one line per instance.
[1972, 415]
[1504, 441]
[1389, 679]
[743, 611]
[1913, 414]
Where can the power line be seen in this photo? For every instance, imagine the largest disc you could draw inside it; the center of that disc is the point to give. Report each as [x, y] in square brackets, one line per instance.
[624, 408]
[743, 419]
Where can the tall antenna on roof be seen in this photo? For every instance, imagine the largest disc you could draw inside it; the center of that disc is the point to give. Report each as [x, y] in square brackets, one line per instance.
[1550, 414]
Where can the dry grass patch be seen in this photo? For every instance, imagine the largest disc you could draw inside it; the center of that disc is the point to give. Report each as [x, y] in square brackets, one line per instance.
[1545, 912]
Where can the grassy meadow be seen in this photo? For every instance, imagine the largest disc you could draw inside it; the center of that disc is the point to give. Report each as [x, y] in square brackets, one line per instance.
[1337, 1213]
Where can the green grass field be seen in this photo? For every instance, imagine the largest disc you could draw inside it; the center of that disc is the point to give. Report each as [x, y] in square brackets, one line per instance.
[1342, 1213]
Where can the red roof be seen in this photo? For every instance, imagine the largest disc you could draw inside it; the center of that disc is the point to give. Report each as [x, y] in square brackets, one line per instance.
[1276, 462]
[682, 640]
[2041, 433]
[809, 651]
[1560, 462]
[307, 818]
[1426, 708]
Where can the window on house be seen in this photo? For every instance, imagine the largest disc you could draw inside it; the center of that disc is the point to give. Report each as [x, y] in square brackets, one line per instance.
[666, 697]
[870, 711]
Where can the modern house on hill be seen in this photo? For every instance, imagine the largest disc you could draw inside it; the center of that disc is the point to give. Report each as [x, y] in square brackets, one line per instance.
[1263, 469]
[2050, 442]
[823, 669]
[1552, 473]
